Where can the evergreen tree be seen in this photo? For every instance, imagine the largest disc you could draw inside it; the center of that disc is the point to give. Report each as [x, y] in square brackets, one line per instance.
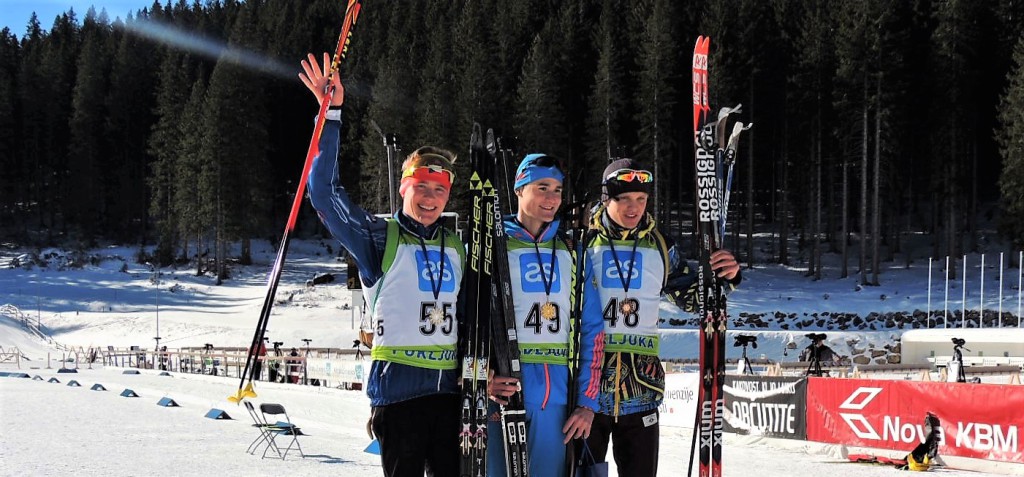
[1010, 137]
[660, 71]
[540, 116]
[58, 68]
[857, 55]
[31, 127]
[435, 105]
[607, 122]
[87, 152]
[235, 143]
[952, 139]
[130, 119]
[193, 195]
[512, 31]
[10, 193]
[393, 106]
[172, 95]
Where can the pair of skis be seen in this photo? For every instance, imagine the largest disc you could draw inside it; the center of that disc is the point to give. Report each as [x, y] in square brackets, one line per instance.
[490, 325]
[714, 156]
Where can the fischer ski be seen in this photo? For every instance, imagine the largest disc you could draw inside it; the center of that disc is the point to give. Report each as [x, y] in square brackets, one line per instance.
[475, 334]
[504, 338]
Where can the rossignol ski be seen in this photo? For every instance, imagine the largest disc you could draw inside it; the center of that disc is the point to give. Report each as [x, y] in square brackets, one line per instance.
[714, 156]
[475, 335]
[351, 15]
[504, 338]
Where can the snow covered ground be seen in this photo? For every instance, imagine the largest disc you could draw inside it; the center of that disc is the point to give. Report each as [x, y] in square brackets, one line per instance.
[56, 429]
[51, 428]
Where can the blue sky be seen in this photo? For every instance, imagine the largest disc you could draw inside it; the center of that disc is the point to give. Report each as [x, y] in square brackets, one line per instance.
[14, 14]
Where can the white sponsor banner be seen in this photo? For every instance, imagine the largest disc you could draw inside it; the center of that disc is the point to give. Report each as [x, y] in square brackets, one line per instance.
[680, 406]
[338, 370]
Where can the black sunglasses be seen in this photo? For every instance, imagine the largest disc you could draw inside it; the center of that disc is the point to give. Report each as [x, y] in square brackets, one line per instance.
[547, 161]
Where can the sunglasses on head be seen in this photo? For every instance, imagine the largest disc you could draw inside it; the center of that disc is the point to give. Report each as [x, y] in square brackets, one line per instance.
[431, 169]
[630, 175]
[546, 161]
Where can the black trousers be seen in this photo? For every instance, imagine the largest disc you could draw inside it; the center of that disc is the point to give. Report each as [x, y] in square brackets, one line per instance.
[634, 440]
[419, 435]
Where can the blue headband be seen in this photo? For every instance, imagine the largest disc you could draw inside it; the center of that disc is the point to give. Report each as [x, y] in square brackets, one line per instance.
[536, 167]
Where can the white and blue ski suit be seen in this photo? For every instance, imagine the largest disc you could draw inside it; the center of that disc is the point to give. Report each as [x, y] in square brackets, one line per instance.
[413, 381]
[544, 348]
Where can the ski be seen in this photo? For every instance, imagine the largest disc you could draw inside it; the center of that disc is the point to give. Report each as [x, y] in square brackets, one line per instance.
[351, 15]
[714, 156]
[504, 339]
[710, 298]
[475, 334]
[577, 218]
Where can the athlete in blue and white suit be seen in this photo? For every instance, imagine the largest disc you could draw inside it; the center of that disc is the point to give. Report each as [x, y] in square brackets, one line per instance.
[542, 268]
[635, 266]
[411, 268]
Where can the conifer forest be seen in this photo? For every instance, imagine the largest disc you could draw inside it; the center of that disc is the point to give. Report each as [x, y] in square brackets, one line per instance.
[883, 130]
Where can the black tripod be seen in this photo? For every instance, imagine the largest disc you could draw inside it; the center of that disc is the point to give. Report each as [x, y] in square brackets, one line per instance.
[958, 358]
[814, 363]
[747, 368]
[305, 364]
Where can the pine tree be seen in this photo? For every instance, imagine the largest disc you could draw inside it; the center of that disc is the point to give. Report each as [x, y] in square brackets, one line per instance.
[540, 117]
[660, 71]
[193, 198]
[858, 53]
[235, 143]
[607, 121]
[952, 140]
[31, 130]
[87, 152]
[1010, 137]
[172, 94]
[130, 105]
[57, 66]
[393, 106]
[10, 193]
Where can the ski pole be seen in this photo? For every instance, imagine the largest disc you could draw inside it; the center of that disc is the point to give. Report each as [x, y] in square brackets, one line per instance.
[351, 14]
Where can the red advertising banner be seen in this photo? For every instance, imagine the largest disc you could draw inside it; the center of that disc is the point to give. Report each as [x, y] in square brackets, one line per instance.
[982, 421]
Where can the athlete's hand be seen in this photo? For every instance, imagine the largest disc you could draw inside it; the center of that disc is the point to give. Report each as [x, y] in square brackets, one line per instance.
[499, 388]
[724, 264]
[315, 78]
[578, 424]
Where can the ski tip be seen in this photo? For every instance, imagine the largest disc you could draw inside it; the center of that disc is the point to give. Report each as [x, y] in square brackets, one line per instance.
[492, 144]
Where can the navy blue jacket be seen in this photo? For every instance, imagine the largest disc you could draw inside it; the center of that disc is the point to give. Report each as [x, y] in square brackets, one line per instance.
[364, 236]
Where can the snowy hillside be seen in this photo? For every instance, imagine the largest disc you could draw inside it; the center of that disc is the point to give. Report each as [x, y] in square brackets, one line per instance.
[103, 298]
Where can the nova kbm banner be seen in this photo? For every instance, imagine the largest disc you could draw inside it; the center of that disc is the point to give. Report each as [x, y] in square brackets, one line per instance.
[766, 406]
[982, 421]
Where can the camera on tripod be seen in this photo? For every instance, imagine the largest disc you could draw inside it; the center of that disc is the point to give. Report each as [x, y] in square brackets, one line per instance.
[278, 343]
[744, 340]
[816, 336]
[958, 359]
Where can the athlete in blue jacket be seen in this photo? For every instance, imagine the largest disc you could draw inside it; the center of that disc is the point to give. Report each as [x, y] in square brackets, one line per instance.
[542, 267]
[411, 268]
